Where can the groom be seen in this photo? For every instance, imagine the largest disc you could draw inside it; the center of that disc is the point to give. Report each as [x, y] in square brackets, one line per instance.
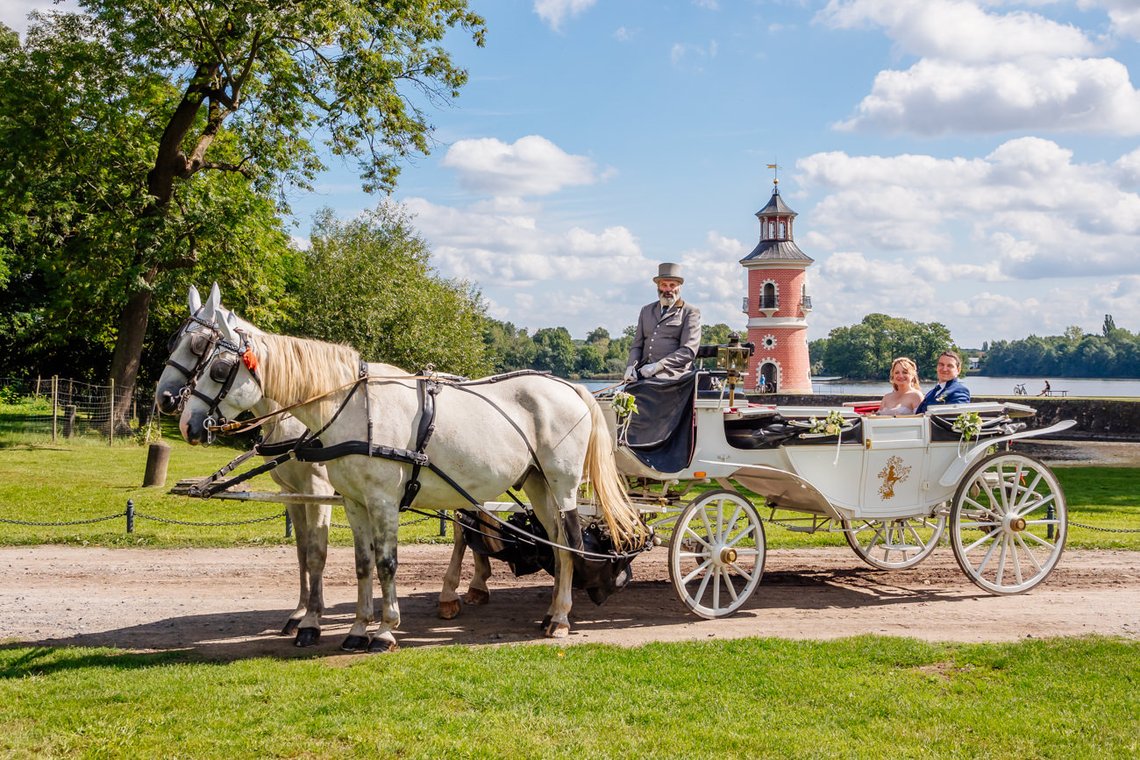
[949, 390]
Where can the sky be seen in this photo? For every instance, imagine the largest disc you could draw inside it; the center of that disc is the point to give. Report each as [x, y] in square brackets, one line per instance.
[969, 162]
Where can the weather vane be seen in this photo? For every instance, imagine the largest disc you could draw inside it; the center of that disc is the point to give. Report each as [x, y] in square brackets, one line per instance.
[775, 173]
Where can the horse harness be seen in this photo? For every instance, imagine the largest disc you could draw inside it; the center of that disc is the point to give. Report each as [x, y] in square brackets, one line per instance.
[309, 448]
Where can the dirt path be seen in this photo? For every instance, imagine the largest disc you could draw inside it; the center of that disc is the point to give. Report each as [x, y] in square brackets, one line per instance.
[229, 603]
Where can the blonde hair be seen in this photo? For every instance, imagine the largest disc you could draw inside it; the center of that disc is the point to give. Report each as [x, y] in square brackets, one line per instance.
[911, 367]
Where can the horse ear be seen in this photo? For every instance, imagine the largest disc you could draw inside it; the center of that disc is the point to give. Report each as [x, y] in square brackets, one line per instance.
[227, 324]
[193, 300]
[213, 302]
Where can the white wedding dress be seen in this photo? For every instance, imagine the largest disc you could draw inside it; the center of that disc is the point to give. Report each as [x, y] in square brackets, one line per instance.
[895, 411]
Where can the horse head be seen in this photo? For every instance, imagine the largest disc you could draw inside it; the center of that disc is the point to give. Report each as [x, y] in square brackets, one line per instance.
[189, 348]
[227, 384]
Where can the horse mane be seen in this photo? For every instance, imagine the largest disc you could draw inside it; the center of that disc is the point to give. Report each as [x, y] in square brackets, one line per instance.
[294, 370]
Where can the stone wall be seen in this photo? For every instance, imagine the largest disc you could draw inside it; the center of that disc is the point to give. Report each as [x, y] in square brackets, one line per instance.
[1097, 419]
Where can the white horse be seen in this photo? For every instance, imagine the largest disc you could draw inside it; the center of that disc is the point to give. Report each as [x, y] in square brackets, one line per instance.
[190, 347]
[533, 431]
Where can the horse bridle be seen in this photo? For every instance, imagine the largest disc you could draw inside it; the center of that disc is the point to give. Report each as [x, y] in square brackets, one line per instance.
[202, 344]
[222, 369]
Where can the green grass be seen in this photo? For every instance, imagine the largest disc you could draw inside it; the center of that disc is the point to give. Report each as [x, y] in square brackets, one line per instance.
[859, 697]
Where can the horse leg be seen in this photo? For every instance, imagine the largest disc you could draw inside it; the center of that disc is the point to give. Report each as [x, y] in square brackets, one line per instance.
[318, 517]
[556, 622]
[357, 639]
[477, 592]
[386, 519]
[448, 598]
[297, 516]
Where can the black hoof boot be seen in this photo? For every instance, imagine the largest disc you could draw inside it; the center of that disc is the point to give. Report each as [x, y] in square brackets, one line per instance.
[307, 637]
[355, 644]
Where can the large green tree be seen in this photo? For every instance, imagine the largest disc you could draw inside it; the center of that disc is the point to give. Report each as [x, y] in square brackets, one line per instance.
[77, 130]
[368, 282]
[252, 82]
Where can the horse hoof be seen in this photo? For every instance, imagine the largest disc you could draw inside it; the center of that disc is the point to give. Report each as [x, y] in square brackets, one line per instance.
[290, 626]
[449, 610]
[381, 645]
[307, 637]
[545, 624]
[477, 596]
[355, 644]
[558, 631]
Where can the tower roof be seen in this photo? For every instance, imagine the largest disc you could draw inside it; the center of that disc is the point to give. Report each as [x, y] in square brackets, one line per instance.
[777, 250]
[776, 206]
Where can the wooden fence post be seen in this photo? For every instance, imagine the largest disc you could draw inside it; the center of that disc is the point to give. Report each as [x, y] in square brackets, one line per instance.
[54, 407]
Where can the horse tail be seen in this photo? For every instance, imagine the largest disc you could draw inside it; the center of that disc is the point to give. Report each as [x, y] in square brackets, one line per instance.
[621, 516]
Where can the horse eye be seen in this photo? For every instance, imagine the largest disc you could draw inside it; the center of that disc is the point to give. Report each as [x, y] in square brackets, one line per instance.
[220, 369]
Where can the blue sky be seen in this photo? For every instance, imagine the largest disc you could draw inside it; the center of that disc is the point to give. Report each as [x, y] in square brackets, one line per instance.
[972, 162]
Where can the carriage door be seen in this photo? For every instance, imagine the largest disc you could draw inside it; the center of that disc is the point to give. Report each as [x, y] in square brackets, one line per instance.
[767, 381]
[894, 462]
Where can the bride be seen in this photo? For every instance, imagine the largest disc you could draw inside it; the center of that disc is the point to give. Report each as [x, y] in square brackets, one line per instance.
[905, 395]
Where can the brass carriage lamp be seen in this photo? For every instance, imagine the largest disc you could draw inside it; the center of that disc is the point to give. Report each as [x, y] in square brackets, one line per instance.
[733, 359]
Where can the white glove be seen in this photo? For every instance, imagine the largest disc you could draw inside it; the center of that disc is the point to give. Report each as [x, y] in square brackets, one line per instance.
[630, 374]
[649, 370]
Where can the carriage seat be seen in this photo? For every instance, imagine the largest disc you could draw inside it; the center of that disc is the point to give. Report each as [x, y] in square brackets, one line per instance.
[662, 435]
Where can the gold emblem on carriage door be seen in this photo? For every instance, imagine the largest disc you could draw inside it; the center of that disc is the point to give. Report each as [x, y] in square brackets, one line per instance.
[894, 471]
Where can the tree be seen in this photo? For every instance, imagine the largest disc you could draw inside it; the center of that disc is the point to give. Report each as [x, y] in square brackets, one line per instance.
[865, 351]
[554, 351]
[368, 282]
[77, 122]
[508, 347]
[253, 82]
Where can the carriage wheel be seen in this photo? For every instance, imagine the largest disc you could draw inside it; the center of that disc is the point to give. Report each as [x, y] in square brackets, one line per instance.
[716, 556]
[895, 544]
[1008, 523]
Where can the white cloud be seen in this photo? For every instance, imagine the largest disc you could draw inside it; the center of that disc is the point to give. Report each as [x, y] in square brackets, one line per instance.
[1025, 211]
[554, 12]
[1064, 95]
[1124, 15]
[959, 30]
[532, 165]
[983, 72]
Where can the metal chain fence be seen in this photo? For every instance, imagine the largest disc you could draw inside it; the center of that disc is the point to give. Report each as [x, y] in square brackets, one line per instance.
[130, 514]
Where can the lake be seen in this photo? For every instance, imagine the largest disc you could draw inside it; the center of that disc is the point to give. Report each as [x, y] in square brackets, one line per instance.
[979, 385]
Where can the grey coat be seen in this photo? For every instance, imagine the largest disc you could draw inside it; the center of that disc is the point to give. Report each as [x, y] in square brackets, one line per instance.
[672, 339]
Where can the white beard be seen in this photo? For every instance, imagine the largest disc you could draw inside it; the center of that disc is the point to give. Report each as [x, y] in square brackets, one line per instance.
[667, 301]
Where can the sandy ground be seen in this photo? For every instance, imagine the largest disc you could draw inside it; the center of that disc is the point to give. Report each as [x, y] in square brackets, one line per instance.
[230, 603]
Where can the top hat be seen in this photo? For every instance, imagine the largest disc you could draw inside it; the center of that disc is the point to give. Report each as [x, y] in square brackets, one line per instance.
[669, 271]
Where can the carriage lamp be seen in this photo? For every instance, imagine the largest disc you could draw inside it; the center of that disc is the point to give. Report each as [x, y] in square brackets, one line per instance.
[733, 358]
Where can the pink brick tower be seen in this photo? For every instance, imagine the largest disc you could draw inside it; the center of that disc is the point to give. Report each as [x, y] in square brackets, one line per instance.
[778, 304]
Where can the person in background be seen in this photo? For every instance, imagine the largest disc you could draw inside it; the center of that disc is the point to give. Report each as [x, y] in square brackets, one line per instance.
[668, 331]
[905, 394]
[1046, 390]
[949, 390]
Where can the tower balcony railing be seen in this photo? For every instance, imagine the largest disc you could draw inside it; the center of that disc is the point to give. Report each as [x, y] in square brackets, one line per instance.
[805, 304]
[769, 302]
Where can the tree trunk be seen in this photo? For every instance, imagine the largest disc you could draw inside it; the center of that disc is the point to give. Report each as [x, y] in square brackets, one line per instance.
[128, 350]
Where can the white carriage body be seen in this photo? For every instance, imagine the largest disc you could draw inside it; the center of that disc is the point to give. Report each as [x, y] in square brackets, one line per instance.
[896, 468]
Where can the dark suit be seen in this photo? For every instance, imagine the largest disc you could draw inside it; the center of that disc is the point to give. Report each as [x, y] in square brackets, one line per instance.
[953, 393]
[672, 338]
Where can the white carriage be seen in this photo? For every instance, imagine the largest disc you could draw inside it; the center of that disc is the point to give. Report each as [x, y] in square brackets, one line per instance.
[890, 484]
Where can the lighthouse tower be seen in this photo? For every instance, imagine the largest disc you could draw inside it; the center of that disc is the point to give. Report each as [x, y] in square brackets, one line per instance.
[778, 304]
